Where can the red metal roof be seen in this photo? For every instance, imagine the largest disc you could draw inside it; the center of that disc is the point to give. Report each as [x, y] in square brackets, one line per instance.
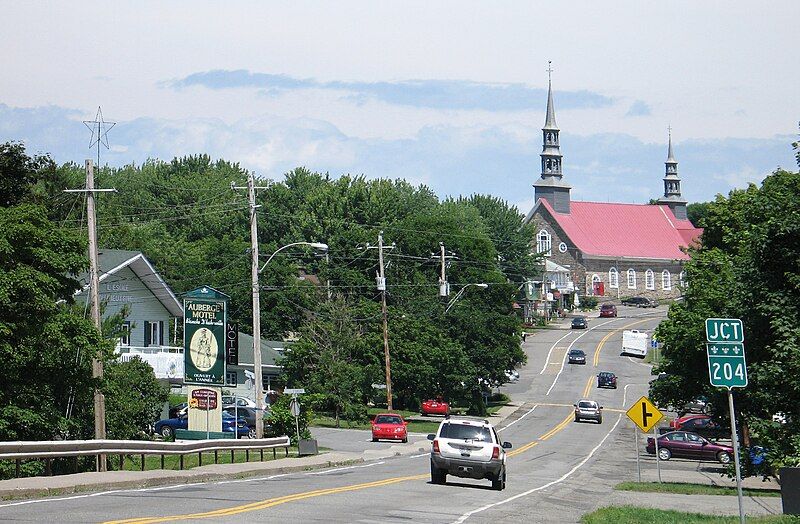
[626, 230]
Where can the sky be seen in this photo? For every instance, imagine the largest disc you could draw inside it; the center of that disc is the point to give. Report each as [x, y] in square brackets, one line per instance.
[447, 94]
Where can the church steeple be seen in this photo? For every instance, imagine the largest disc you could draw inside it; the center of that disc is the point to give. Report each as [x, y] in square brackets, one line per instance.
[550, 186]
[672, 185]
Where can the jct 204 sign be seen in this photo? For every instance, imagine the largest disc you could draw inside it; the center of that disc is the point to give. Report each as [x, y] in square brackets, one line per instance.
[204, 337]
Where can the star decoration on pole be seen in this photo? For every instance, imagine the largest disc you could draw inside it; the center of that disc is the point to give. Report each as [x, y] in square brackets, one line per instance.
[99, 129]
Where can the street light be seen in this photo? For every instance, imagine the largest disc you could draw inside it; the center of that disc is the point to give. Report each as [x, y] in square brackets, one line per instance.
[257, 329]
[461, 292]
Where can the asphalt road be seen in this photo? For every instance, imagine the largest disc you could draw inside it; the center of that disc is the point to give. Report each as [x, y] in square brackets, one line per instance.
[557, 470]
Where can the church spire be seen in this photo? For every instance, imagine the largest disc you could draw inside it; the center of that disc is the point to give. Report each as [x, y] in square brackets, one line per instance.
[672, 184]
[550, 186]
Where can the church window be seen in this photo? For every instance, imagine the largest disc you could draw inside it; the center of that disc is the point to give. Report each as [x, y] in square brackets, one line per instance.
[682, 279]
[595, 286]
[543, 242]
[631, 279]
[649, 279]
[613, 278]
[666, 280]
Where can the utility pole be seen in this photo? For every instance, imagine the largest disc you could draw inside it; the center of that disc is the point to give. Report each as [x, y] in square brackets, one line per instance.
[444, 285]
[381, 282]
[259, 378]
[94, 293]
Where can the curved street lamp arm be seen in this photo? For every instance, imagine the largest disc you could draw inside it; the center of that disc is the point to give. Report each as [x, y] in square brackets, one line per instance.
[316, 245]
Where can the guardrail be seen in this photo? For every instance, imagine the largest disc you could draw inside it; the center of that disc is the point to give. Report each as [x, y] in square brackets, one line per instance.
[48, 450]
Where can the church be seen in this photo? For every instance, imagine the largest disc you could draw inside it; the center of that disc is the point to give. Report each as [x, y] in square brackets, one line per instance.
[609, 250]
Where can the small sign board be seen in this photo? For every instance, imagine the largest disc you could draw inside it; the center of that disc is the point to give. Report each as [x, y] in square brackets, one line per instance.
[644, 414]
[294, 391]
[294, 407]
[379, 386]
[204, 399]
[727, 367]
[232, 344]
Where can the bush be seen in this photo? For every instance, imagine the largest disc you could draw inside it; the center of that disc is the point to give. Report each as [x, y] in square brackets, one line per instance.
[283, 422]
[588, 302]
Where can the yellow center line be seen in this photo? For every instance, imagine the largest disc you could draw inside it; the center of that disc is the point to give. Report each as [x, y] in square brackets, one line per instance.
[605, 338]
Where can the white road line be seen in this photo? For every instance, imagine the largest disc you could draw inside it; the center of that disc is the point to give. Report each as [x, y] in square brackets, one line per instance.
[345, 468]
[420, 455]
[88, 495]
[520, 418]
[237, 481]
[547, 360]
[564, 361]
[467, 515]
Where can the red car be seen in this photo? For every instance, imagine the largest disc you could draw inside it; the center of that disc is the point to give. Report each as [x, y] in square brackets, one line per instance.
[703, 425]
[390, 426]
[608, 310]
[688, 445]
[435, 407]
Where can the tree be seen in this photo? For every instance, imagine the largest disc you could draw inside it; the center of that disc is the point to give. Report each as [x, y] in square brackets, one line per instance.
[134, 398]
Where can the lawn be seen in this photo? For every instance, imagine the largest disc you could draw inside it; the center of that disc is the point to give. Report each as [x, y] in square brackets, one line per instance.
[191, 460]
[685, 488]
[634, 515]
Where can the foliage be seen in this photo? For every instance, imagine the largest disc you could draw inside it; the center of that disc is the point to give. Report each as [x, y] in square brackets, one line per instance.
[134, 398]
[639, 515]
[688, 488]
[748, 267]
[696, 212]
[588, 302]
[283, 422]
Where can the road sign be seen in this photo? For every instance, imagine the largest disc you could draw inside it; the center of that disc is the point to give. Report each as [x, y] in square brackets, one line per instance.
[724, 330]
[294, 407]
[204, 399]
[294, 391]
[379, 386]
[727, 366]
[644, 414]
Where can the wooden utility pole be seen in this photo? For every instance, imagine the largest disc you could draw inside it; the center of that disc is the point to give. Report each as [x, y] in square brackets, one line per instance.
[381, 281]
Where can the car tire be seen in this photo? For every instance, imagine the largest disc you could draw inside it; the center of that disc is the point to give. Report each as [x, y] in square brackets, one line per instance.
[499, 482]
[723, 458]
[438, 476]
[251, 433]
[600, 420]
[167, 432]
[577, 419]
[405, 440]
[374, 439]
[664, 454]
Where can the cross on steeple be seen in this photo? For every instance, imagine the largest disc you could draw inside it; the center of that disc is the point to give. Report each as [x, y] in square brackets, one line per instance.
[549, 70]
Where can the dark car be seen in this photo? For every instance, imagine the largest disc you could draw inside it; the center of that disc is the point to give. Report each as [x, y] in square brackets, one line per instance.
[689, 445]
[696, 405]
[639, 302]
[579, 323]
[249, 416]
[704, 426]
[576, 356]
[606, 379]
[608, 310]
[166, 427]
[178, 410]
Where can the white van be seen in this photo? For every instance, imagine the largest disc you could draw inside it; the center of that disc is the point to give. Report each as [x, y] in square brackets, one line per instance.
[634, 343]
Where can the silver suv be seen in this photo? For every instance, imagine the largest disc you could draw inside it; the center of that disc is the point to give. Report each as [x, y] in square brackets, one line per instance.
[468, 447]
[587, 409]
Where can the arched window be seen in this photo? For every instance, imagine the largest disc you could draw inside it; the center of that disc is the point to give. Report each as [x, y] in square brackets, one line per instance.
[543, 242]
[631, 279]
[666, 280]
[682, 278]
[649, 279]
[613, 278]
[595, 287]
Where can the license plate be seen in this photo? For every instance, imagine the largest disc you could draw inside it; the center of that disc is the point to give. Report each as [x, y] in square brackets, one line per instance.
[465, 453]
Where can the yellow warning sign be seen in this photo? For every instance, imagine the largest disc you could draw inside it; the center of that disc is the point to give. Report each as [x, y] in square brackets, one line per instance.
[644, 414]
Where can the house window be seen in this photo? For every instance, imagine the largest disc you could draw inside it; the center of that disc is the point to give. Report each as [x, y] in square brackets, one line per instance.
[666, 280]
[682, 278]
[543, 242]
[230, 378]
[154, 333]
[631, 279]
[613, 278]
[649, 279]
[125, 334]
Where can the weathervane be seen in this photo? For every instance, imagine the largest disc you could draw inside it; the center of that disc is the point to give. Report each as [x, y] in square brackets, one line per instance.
[99, 129]
[549, 69]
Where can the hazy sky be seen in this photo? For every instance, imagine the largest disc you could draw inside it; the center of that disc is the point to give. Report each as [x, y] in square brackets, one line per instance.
[449, 94]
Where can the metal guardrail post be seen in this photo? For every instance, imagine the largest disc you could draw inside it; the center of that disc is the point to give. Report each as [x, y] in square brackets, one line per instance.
[247, 455]
[142, 461]
[199, 458]
[181, 461]
[233, 459]
[162, 461]
[262, 454]
[216, 458]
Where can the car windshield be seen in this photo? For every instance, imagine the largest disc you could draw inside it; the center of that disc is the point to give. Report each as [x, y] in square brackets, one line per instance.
[606, 306]
[577, 352]
[464, 432]
[387, 419]
[587, 404]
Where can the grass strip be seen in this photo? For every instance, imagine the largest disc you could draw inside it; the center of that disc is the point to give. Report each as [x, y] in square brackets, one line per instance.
[635, 515]
[685, 488]
[192, 460]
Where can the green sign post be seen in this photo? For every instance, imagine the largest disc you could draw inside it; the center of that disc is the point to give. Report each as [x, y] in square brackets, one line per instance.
[727, 368]
[205, 316]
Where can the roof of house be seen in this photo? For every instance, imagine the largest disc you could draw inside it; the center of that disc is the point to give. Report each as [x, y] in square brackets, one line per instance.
[114, 260]
[270, 356]
[624, 230]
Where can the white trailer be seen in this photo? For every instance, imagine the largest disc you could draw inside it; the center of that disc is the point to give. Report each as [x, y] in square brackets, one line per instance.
[634, 343]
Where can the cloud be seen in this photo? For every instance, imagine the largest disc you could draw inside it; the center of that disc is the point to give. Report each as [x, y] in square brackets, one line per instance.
[638, 108]
[501, 160]
[432, 94]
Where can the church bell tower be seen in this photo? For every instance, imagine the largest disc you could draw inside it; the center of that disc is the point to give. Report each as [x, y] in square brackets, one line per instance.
[551, 185]
[672, 186]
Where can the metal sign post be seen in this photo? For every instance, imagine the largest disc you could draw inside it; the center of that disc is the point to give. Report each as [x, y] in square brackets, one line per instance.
[735, 442]
[638, 466]
[645, 415]
[294, 407]
[658, 460]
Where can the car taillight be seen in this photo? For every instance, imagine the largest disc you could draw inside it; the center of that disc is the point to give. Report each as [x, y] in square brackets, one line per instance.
[436, 446]
[496, 452]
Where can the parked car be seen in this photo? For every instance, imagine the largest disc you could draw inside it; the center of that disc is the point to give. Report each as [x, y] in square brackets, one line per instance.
[696, 405]
[249, 416]
[178, 410]
[243, 402]
[166, 427]
[468, 447]
[512, 375]
[579, 323]
[639, 302]
[389, 426]
[608, 310]
[703, 425]
[586, 409]
[689, 445]
[576, 356]
[435, 406]
[606, 379]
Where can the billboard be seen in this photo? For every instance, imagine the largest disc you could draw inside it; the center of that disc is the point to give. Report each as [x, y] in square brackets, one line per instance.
[204, 336]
